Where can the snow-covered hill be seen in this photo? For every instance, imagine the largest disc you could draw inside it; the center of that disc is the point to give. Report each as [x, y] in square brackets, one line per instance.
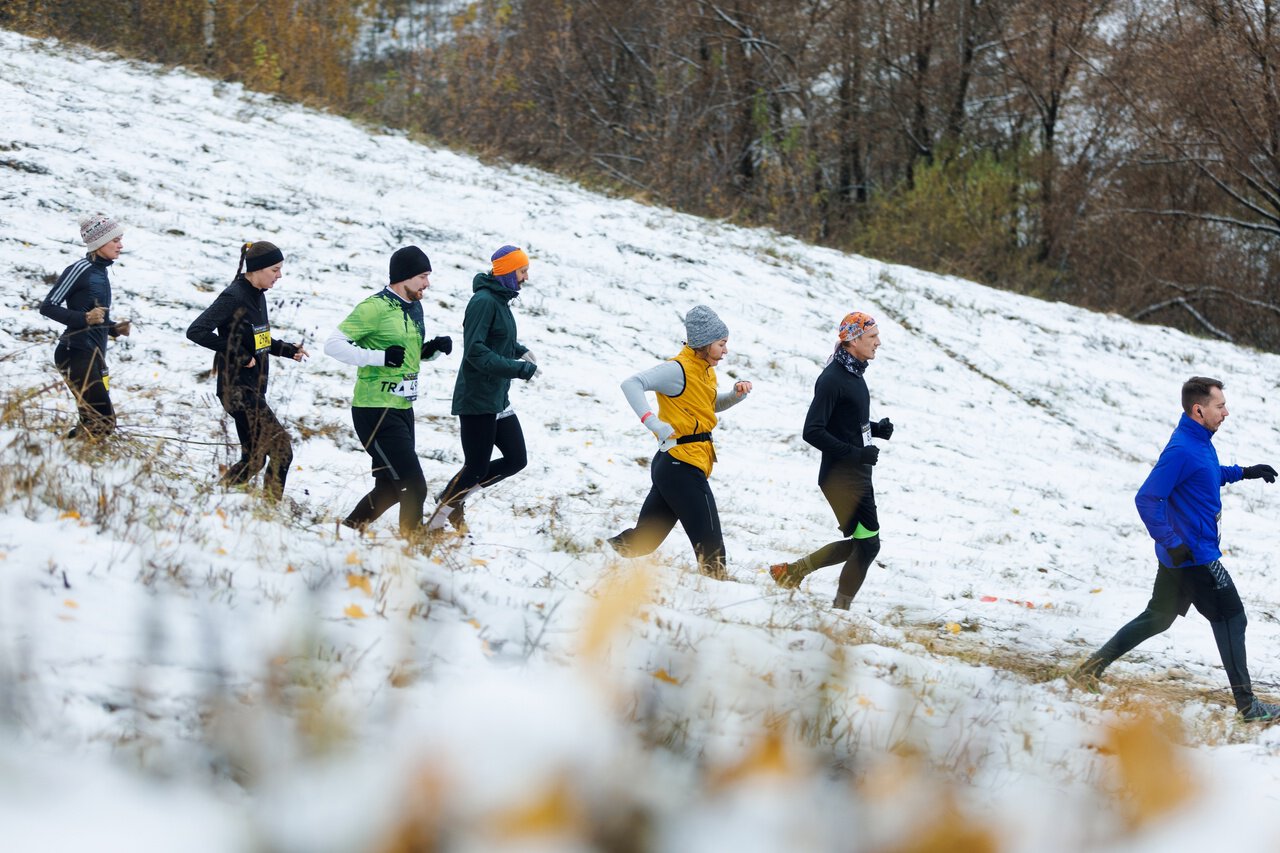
[182, 668]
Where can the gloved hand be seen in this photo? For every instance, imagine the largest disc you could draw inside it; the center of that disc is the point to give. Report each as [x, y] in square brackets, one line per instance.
[882, 428]
[867, 455]
[440, 343]
[393, 356]
[527, 370]
[1260, 472]
[661, 429]
[1181, 555]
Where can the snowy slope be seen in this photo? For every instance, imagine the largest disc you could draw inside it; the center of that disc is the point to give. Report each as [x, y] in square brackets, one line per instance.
[182, 668]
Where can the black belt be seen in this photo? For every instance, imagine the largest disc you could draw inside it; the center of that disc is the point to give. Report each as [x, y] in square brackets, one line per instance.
[697, 436]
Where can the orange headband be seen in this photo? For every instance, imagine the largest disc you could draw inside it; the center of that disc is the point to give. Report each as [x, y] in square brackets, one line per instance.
[510, 262]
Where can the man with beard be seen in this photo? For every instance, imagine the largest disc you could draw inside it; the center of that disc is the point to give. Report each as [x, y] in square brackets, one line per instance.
[1181, 503]
[383, 337]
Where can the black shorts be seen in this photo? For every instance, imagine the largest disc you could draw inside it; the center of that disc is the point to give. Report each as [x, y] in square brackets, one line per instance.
[848, 489]
[1208, 587]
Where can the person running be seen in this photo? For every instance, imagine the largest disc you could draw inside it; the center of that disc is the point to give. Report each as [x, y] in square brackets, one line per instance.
[1180, 504]
[688, 403]
[839, 424]
[383, 337]
[81, 301]
[492, 356]
[238, 329]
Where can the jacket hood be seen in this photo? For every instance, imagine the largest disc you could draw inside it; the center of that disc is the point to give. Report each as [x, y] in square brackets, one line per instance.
[485, 281]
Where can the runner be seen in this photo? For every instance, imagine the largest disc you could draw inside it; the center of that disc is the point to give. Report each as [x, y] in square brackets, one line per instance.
[688, 403]
[81, 301]
[1180, 504]
[237, 328]
[839, 424]
[492, 356]
[382, 337]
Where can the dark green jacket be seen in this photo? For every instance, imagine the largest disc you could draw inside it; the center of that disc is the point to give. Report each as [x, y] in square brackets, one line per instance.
[490, 351]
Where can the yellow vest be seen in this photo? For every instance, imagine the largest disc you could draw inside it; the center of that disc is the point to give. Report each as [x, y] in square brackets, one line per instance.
[692, 411]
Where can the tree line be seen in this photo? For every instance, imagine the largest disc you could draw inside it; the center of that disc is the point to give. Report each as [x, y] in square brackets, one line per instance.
[1118, 154]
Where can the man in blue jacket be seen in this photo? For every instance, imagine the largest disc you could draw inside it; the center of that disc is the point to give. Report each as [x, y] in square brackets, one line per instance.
[1180, 503]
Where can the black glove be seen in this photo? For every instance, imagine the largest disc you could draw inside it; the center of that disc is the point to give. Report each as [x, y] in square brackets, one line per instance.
[1180, 555]
[1260, 472]
[442, 343]
[393, 356]
[882, 428]
[527, 369]
[868, 455]
[288, 350]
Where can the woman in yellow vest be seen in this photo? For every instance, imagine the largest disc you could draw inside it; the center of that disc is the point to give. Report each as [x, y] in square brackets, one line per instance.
[687, 405]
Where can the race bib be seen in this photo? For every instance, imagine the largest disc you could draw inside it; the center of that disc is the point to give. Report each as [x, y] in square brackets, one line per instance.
[407, 388]
[866, 435]
[261, 338]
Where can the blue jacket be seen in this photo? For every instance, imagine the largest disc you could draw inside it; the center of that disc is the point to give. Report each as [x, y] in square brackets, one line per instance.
[1181, 501]
[82, 286]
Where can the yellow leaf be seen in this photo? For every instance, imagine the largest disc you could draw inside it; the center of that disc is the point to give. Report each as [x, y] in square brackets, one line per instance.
[552, 810]
[622, 596]
[769, 755]
[355, 611]
[353, 559]
[663, 675]
[220, 551]
[289, 569]
[71, 513]
[474, 623]
[1151, 768]
[953, 628]
[70, 603]
[220, 513]
[1096, 591]
[476, 561]
[359, 582]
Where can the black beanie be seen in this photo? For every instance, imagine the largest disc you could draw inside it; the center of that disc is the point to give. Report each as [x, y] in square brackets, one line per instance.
[408, 262]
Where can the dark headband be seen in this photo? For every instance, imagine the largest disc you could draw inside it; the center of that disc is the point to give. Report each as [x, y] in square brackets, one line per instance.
[261, 262]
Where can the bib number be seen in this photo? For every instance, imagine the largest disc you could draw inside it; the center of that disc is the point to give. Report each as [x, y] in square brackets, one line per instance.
[261, 338]
[866, 435]
[407, 387]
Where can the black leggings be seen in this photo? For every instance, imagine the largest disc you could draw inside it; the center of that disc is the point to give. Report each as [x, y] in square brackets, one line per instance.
[681, 493]
[1214, 594]
[848, 490]
[388, 438]
[480, 435]
[83, 372]
[262, 437]
[856, 554]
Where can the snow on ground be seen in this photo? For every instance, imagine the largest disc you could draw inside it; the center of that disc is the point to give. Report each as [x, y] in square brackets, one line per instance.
[184, 668]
